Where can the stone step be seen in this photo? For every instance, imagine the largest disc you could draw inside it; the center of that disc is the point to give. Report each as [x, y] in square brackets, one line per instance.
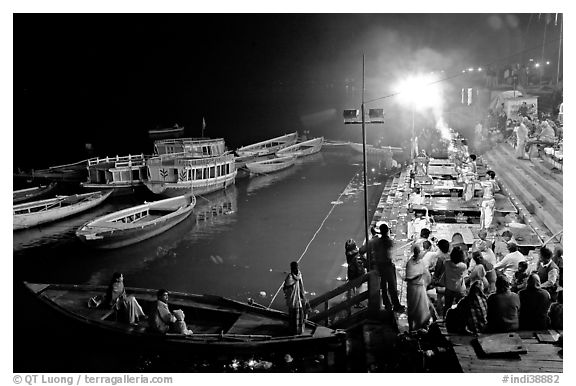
[541, 193]
[529, 167]
[536, 163]
[549, 211]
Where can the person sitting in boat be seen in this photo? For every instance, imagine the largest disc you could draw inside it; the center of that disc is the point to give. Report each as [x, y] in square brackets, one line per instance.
[127, 306]
[161, 318]
[180, 327]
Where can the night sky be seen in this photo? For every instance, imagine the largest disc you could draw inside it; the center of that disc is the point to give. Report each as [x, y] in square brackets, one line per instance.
[107, 79]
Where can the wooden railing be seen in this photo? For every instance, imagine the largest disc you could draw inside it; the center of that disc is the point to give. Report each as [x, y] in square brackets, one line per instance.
[129, 160]
[372, 294]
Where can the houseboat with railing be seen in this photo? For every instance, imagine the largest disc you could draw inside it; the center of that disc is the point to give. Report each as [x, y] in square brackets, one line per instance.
[184, 165]
[122, 174]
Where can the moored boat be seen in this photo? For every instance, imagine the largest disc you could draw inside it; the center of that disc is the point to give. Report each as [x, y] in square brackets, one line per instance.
[74, 172]
[217, 323]
[23, 195]
[304, 148]
[373, 150]
[271, 165]
[169, 132]
[269, 146]
[122, 174]
[190, 165]
[132, 225]
[39, 212]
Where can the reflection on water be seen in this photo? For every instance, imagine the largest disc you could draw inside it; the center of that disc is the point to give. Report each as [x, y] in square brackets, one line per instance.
[260, 181]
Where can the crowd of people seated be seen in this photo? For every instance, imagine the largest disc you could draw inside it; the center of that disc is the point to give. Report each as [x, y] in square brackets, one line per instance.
[490, 288]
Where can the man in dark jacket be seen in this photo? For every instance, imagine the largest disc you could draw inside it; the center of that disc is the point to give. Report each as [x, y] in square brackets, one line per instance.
[387, 270]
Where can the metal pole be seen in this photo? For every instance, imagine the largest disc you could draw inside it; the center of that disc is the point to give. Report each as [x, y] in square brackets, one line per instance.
[366, 223]
[543, 49]
[559, 52]
[413, 132]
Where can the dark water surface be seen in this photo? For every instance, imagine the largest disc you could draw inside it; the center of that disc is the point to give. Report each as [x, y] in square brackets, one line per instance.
[238, 243]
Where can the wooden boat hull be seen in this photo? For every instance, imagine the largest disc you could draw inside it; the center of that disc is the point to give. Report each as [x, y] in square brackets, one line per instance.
[198, 188]
[375, 151]
[107, 232]
[30, 194]
[272, 165]
[84, 202]
[118, 189]
[218, 323]
[269, 146]
[302, 149]
[166, 133]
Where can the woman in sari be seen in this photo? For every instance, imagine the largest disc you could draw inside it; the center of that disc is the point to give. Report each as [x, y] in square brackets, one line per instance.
[127, 306]
[471, 313]
[417, 278]
[295, 299]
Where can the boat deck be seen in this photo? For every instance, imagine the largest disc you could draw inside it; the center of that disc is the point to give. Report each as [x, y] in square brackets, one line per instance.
[539, 357]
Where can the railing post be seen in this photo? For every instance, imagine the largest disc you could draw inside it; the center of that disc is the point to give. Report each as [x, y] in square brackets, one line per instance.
[374, 295]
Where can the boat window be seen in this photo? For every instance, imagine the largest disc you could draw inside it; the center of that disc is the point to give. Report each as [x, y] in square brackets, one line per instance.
[198, 174]
[175, 172]
[189, 174]
[227, 168]
[205, 173]
[212, 172]
[23, 211]
[125, 175]
[136, 174]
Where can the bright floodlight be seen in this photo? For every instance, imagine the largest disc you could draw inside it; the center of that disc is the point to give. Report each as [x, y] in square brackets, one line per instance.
[420, 91]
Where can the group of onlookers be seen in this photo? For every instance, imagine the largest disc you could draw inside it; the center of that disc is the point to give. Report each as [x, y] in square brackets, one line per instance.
[490, 289]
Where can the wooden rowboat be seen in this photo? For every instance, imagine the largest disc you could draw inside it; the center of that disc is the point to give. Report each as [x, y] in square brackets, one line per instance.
[169, 132]
[217, 323]
[39, 212]
[304, 148]
[372, 150]
[271, 165]
[132, 225]
[270, 146]
[23, 195]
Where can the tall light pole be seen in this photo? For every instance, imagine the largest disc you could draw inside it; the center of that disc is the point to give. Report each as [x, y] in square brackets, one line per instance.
[351, 117]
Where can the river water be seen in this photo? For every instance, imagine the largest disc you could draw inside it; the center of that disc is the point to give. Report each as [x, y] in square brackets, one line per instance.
[238, 243]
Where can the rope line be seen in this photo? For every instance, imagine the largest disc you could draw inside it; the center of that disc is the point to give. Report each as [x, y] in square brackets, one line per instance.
[314, 236]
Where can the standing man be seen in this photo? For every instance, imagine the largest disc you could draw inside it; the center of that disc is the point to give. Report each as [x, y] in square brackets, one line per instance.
[387, 270]
[521, 137]
[489, 187]
[295, 299]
